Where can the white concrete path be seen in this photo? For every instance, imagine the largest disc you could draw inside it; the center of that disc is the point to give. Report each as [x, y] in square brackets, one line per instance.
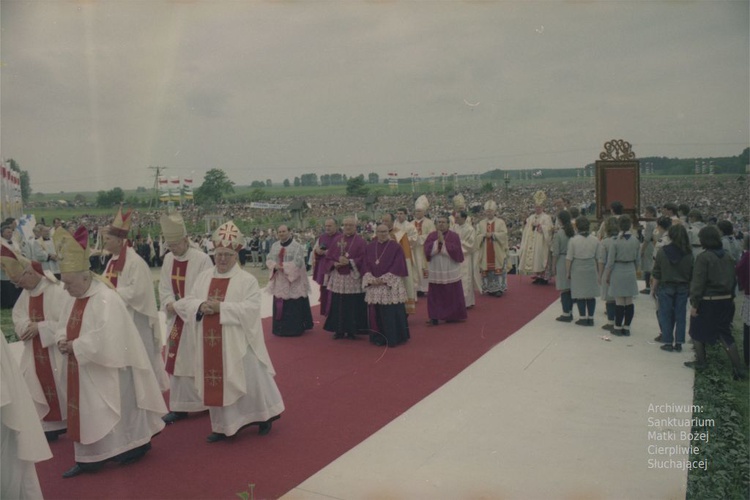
[555, 411]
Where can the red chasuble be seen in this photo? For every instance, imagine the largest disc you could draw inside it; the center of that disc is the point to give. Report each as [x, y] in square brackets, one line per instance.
[73, 330]
[42, 363]
[213, 361]
[179, 271]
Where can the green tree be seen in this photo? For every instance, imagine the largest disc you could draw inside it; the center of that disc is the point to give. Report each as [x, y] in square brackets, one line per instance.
[487, 187]
[373, 178]
[297, 182]
[286, 183]
[309, 179]
[269, 183]
[355, 186]
[108, 198]
[216, 185]
[257, 184]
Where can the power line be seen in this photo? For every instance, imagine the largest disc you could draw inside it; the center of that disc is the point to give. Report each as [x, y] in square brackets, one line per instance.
[156, 183]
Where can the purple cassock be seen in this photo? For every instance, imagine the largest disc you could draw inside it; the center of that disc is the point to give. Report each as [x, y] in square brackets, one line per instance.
[321, 267]
[445, 298]
[385, 262]
[347, 313]
[382, 258]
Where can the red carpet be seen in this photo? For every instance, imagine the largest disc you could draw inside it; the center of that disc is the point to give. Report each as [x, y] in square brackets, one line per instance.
[337, 393]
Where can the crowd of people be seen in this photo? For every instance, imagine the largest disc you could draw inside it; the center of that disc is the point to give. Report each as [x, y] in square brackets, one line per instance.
[93, 352]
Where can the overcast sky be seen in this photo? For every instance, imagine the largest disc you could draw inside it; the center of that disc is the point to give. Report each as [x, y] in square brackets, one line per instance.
[95, 92]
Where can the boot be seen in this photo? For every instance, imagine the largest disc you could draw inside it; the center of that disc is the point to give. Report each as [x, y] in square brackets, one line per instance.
[737, 366]
[700, 356]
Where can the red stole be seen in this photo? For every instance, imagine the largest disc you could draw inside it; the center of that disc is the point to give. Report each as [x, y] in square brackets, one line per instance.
[179, 272]
[490, 247]
[42, 363]
[213, 360]
[73, 329]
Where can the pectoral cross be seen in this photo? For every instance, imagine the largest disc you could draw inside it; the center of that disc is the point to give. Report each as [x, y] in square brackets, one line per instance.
[213, 377]
[342, 246]
[212, 338]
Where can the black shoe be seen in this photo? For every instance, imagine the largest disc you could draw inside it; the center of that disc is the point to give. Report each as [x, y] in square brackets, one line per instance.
[174, 416]
[678, 347]
[51, 435]
[625, 332]
[617, 332]
[564, 318]
[582, 322]
[608, 327]
[74, 471]
[337, 336]
[646, 291]
[590, 322]
[351, 336]
[80, 468]
[265, 427]
[667, 347]
[659, 338]
[132, 456]
[215, 437]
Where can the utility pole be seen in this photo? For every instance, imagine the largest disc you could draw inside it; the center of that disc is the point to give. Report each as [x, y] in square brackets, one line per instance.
[156, 183]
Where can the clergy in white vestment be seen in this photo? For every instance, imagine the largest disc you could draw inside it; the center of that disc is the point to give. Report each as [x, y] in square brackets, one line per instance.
[131, 277]
[114, 406]
[181, 267]
[468, 235]
[35, 318]
[536, 242]
[235, 376]
[492, 252]
[21, 438]
[423, 226]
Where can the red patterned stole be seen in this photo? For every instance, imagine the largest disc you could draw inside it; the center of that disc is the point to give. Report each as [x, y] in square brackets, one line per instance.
[73, 330]
[213, 361]
[179, 272]
[490, 247]
[42, 363]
